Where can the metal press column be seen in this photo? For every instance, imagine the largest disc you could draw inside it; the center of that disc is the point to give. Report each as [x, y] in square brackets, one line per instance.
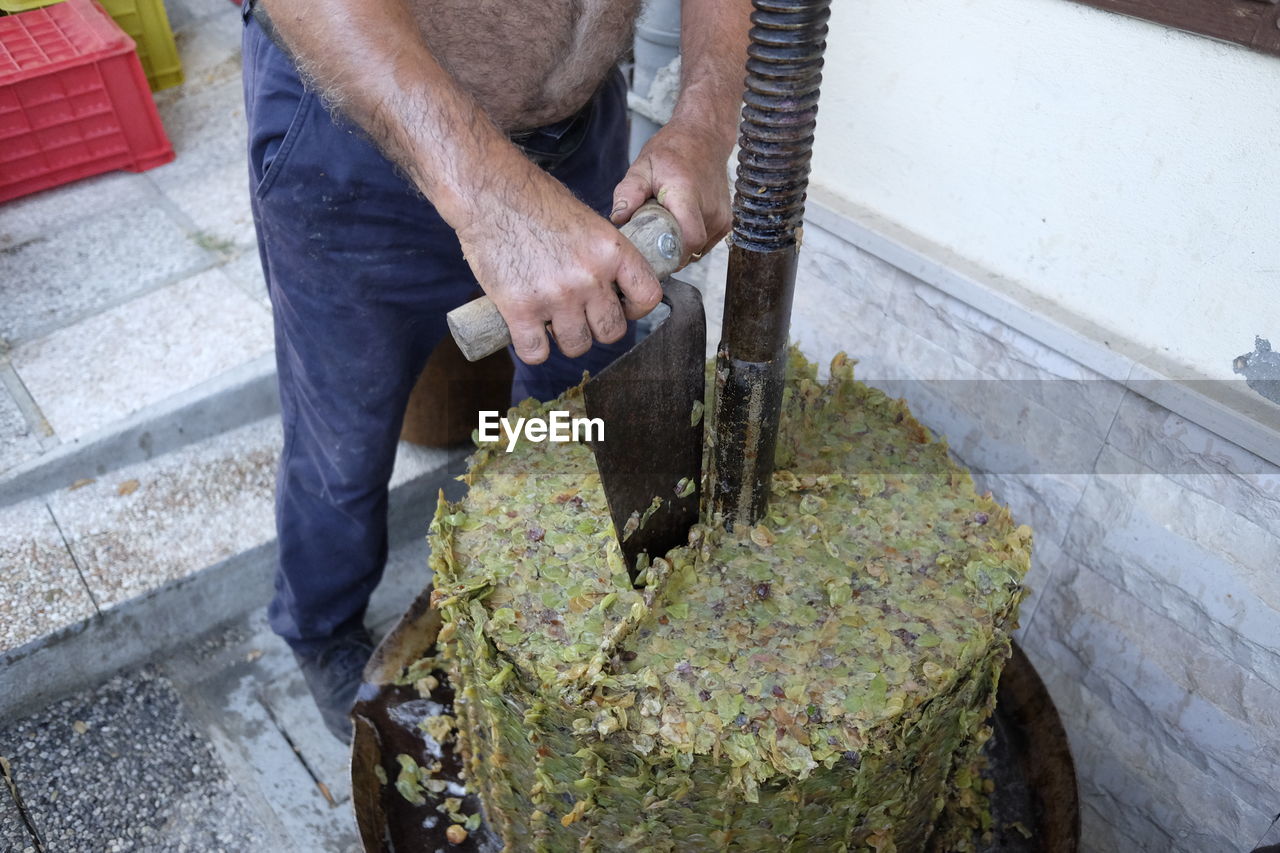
[784, 71]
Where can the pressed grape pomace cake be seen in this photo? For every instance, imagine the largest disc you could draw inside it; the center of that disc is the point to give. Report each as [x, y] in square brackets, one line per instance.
[820, 682]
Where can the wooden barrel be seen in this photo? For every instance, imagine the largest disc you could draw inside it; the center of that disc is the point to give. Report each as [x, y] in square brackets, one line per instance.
[444, 405]
[1030, 758]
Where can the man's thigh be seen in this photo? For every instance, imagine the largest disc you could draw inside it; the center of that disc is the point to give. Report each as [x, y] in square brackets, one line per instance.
[361, 269]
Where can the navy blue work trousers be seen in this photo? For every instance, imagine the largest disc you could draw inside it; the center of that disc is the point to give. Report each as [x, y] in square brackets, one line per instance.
[361, 270]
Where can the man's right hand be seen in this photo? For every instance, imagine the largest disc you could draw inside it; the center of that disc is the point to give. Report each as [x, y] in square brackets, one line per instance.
[547, 260]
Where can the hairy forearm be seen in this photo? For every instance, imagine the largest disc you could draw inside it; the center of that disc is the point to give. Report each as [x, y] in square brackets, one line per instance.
[369, 59]
[713, 47]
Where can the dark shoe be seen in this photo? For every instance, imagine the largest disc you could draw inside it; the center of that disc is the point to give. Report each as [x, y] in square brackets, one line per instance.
[333, 673]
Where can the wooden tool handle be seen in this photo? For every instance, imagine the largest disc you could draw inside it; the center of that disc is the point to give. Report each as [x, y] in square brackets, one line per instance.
[480, 330]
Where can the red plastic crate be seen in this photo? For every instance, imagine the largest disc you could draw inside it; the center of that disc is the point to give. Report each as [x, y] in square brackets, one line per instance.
[73, 100]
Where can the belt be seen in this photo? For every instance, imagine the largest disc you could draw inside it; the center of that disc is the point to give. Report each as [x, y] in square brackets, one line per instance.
[546, 146]
[255, 10]
[551, 145]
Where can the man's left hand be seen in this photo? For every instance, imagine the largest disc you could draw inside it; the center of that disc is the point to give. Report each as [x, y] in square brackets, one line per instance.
[683, 166]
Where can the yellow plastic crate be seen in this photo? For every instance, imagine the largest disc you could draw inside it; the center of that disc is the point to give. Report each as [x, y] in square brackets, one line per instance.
[23, 5]
[147, 24]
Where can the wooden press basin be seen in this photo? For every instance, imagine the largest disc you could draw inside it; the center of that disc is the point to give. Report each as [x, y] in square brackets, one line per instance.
[1030, 761]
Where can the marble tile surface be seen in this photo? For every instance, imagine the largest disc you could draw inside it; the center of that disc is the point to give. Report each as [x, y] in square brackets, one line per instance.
[40, 589]
[18, 442]
[95, 372]
[148, 524]
[90, 265]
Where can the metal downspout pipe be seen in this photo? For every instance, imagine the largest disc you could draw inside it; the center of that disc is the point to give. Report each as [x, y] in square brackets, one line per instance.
[657, 44]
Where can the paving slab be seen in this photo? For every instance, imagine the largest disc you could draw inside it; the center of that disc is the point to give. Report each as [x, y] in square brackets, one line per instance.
[217, 202]
[209, 47]
[108, 366]
[283, 695]
[61, 663]
[183, 13]
[208, 131]
[406, 576]
[90, 265]
[18, 442]
[208, 183]
[179, 15]
[44, 214]
[149, 524]
[209, 180]
[286, 696]
[228, 672]
[414, 460]
[267, 765]
[1272, 835]
[40, 588]
[246, 271]
[204, 126]
[238, 695]
[419, 476]
[122, 768]
[237, 397]
[179, 558]
[267, 681]
[288, 701]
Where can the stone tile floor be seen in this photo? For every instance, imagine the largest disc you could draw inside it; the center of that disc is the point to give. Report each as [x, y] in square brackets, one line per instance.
[114, 289]
[122, 292]
[184, 327]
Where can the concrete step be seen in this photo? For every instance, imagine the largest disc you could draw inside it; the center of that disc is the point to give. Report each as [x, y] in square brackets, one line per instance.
[166, 412]
[111, 570]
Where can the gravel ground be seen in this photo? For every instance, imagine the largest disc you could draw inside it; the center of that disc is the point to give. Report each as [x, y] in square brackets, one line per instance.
[214, 746]
[121, 768]
[14, 837]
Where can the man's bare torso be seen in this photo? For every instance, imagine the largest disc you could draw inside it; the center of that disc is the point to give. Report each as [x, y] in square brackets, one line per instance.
[528, 62]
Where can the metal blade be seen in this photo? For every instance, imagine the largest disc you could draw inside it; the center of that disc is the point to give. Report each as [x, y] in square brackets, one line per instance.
[652, 446]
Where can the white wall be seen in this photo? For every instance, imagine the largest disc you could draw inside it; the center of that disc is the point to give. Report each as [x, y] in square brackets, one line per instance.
[1128, 172]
